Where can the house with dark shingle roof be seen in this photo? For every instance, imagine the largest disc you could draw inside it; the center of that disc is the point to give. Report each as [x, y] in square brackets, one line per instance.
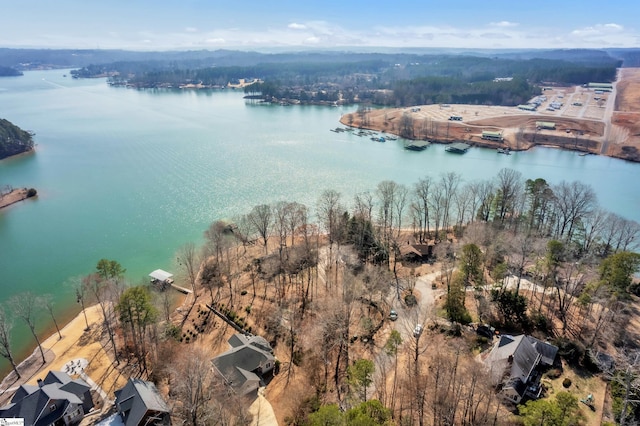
[245, 364]
[515, 363]
[57, 399]
[140, 403]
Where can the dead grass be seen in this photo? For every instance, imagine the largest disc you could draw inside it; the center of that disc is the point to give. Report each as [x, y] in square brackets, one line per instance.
[583, 383]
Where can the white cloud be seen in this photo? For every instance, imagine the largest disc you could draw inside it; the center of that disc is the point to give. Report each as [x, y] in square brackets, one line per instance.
[495, 35]
[190, 30]
[504, 24]
[295, 26]
[598, 30]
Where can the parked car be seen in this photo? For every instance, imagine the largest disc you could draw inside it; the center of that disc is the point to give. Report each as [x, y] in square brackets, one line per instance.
[393, 315]
[485, 331]
[417, 331]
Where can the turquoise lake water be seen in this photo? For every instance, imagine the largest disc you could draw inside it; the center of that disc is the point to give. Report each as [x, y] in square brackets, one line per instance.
[132, 175]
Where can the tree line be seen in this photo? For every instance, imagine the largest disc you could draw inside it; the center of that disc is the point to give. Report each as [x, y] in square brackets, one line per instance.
[383, 79]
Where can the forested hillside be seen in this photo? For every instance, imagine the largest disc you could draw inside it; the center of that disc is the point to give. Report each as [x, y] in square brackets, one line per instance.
[13, 140]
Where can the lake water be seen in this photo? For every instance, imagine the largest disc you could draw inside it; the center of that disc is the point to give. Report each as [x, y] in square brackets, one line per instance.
[132, 175]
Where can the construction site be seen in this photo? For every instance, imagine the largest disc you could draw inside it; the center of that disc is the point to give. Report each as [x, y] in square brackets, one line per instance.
[595, 118]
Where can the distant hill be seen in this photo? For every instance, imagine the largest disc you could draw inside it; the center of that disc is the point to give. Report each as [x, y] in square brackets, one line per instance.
[13, 140]
[26, 59]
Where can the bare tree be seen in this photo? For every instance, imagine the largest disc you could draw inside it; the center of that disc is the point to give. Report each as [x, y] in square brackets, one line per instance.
[363, 205]
[592, 226]
[572, 201]
[47, 301]
[23, 305]
[483, 196]
[569, 283]
[297, 216]
[5, 340]
[202, 392]
[218, 237]
[102, 291]
[261, 217]
[628, 362]
[328, 211]
[449, 183]
[328, 214]
[189, 260]
[464, 200]
[628, 235]
[406, 126]
[509, 187]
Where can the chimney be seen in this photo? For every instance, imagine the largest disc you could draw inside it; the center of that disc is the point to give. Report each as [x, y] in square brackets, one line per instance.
[40, 383]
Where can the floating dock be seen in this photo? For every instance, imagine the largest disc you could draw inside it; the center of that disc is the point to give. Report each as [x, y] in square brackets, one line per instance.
[458, 148]
[417, 145]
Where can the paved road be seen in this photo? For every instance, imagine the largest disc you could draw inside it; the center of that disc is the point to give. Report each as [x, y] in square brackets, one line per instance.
[608, 115]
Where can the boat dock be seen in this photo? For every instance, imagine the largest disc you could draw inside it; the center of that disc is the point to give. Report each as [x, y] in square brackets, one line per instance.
[417, 145]
[162, 279]
[458, 147]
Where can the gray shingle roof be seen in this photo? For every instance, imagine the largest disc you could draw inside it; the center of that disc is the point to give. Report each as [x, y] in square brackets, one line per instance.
[513, 355]
[245, 361]
[35, 403]
[137, 398]
[513, 359]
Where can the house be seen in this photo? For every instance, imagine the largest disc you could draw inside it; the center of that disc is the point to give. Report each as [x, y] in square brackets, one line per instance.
[515, 363]
[140, 403]
[416, 252]
[57, 399]
[244, 366]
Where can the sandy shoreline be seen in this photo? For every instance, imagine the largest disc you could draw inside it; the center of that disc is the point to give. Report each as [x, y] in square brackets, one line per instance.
[13, 197]
[77, 342]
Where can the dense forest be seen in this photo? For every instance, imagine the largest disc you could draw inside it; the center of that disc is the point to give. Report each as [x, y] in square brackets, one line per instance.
[13, 140]
[382, 79]
[389, 79]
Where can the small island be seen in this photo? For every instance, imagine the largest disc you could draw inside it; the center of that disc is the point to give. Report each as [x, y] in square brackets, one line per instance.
[14, 140]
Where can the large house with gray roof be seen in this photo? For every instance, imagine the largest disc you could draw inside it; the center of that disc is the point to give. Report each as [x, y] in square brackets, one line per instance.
[58, 399]
[515, 363]
[245, 364]
[140, 403]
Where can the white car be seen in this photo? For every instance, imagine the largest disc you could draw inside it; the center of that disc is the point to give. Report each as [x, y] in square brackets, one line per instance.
[393, 315]
[417, 331]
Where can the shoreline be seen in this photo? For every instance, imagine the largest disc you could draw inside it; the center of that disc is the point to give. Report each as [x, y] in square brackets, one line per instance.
[77, 341]
[13, 197]
[54, 349]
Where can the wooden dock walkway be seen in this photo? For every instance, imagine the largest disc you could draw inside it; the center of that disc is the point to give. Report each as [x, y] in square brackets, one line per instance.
[181, 289]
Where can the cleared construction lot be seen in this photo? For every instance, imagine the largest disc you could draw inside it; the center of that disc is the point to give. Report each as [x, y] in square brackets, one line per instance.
[586, 119]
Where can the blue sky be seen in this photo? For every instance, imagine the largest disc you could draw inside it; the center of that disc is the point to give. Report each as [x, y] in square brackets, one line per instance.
[300, 24]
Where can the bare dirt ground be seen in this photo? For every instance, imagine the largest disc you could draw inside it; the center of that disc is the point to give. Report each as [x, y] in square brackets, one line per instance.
[581, 123]
[626, 117]
[13, 197]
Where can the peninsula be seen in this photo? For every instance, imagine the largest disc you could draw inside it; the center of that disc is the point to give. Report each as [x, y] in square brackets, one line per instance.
[12, 196]
[14, 140]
